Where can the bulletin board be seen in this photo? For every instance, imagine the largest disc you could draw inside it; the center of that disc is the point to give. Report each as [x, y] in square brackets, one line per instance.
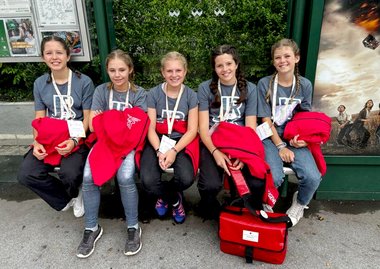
[24, 23]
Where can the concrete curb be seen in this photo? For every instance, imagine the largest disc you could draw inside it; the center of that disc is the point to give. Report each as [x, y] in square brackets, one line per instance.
[14, 144]
[16, 103]
[15, 139]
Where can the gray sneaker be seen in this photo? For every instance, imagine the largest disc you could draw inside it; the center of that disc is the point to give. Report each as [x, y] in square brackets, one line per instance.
[87, 246]
[133, 244]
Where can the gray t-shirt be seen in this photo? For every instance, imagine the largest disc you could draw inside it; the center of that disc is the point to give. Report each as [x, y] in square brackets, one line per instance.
[102, 96]
[303, 98]
[46, 98]
[157, 100]
[238, 112]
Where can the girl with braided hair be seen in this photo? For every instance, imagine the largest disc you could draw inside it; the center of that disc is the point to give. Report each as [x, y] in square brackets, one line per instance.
[280, 96]
[227, 97]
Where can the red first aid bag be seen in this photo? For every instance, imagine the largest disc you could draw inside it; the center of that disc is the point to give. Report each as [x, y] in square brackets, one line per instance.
[246, 235]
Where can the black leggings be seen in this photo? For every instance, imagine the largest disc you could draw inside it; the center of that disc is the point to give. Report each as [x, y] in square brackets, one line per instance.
[150, 174]
[57, 192]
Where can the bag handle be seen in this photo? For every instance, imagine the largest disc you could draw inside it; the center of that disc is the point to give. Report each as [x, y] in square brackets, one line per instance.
[246, 195]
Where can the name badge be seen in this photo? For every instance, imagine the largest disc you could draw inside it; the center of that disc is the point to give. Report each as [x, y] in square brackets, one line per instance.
[76, 128]
[264, 131]
[166, 144]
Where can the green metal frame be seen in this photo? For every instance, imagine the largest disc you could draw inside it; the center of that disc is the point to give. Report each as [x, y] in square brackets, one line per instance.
[105, 31]
[347, 177]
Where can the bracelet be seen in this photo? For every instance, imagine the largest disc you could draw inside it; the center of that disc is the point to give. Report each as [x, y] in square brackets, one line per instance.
[157, 151]
[75, 140]
[281, 145]
[212, 152]
[175, 150]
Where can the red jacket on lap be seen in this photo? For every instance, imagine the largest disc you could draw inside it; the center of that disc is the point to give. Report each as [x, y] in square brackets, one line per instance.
[243, 143]
[118, 133]
[50, 133]
[314, 128]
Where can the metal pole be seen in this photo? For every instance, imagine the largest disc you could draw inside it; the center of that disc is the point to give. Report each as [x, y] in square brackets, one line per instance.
[298, 20]
[314, 38]
[289, 19]
[102, 32]
[110, 24]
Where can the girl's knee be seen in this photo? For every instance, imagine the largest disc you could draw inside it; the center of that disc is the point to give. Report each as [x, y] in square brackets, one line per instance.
[126, 181]
[278, 177]
[187, 182]
[312, 179]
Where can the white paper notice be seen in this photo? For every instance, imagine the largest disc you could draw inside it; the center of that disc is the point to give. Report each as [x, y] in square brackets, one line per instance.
[76, 128]
[166, 144]
[56, 12]
[250, 236]
[264, 131]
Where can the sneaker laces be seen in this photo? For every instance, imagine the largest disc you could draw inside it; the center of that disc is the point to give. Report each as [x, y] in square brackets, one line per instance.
[131, 233]
[86, 236]
[296, 209]
[161, 203]
[179, 210]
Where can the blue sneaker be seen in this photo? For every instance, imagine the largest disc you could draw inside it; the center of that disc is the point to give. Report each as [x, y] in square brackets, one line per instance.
[161, 207]
[179, 215]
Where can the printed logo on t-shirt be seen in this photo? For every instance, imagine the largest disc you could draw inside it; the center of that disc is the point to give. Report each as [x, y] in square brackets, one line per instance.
[119, 105]
[233, 110]
[285, 100]
[284, 111]
[179, 115]
[62, 107]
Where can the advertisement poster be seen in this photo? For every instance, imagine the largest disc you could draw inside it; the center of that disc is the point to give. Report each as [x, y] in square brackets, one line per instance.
[72, 38]
[21, 37]
[347, 77]
[4, 48]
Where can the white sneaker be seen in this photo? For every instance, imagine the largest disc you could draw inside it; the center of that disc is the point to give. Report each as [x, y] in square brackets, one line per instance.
[267, 208]
[295, 212]
[69, 204]
[78, 207]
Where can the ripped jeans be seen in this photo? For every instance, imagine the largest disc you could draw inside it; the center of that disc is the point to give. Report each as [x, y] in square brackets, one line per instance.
[128, 193]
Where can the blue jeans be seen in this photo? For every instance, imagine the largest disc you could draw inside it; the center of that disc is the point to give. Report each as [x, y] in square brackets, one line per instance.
[304, 166]
[128, 193]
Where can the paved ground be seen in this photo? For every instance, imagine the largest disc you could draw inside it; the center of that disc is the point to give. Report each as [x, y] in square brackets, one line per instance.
[15, 130]
[333, 234]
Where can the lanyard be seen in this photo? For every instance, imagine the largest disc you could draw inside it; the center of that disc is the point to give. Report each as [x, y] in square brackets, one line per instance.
[126, 97]
[170, 120]
[229, 105]
[67, 106]
[275, 94]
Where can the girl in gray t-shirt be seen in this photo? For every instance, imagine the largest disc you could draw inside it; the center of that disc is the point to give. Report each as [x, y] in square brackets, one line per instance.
[65, 95]
[229, 97]
[173, 113]
[118, 94]
[279, 97]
